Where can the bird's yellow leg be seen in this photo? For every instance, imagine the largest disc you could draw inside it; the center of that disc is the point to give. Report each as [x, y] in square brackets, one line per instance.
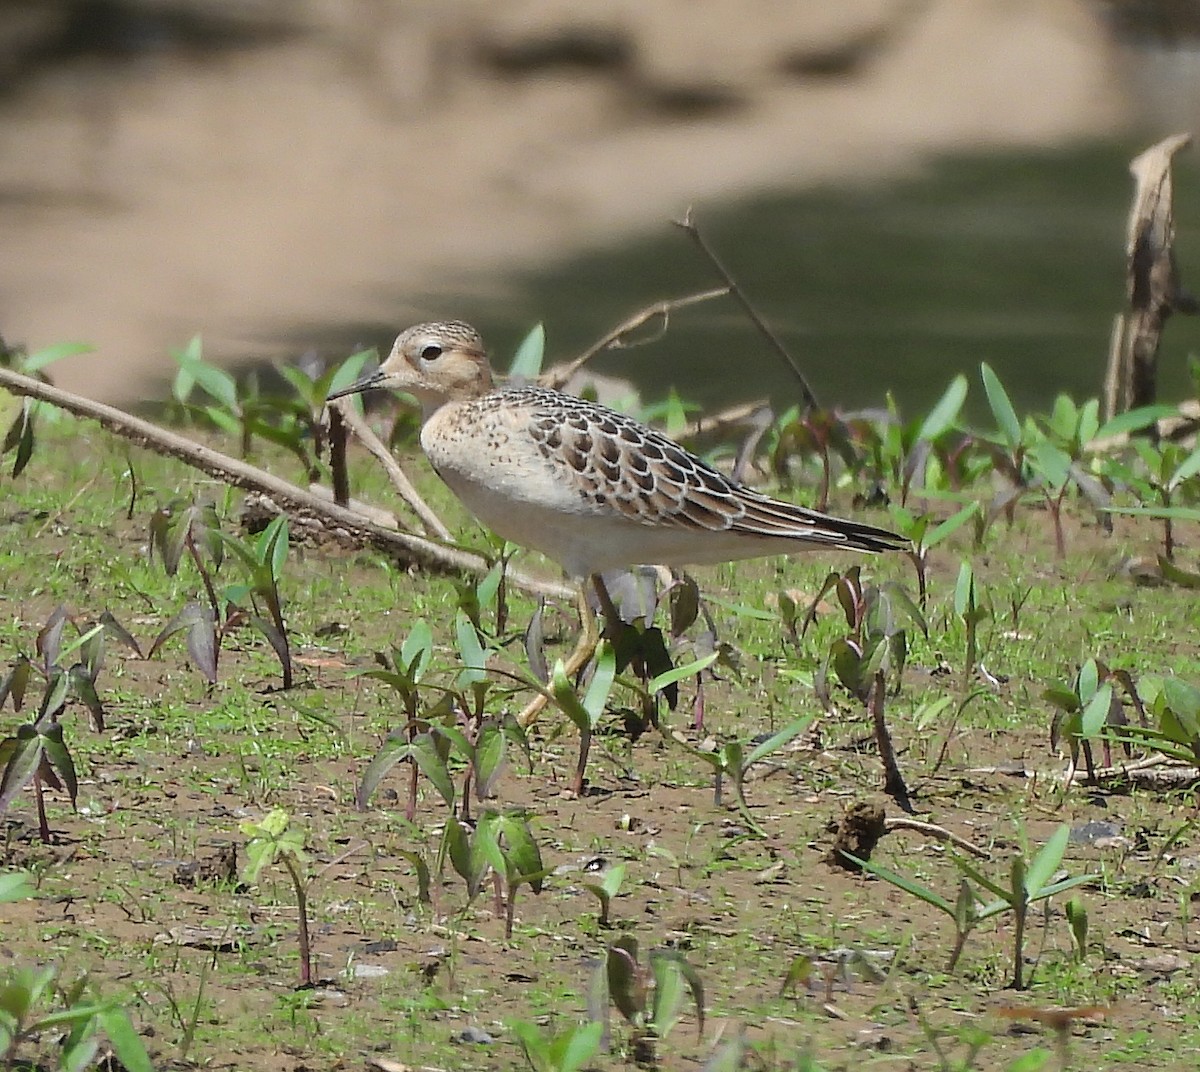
[585, 648]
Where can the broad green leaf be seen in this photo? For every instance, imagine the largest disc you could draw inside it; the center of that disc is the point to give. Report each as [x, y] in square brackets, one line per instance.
[15, 886]
[60, 759]
[1096, 713]
[600, 686]
[38, 360]
[126, 1043]
[349, 370]
[1046, 862]
[392, 751]
[778, 739]
[964, 589]
[527, 363]
[425, 754]
[522, 857]
[625, 987]
[678, 673]
[1089, 681]
[1002, 408]
[567, 699]
[470, 651]
[903, 882]
[417, 650]
[947, 528]
[489, 755]
[574, 1048]
[1134, 421]
[22, 756]
[945, 411]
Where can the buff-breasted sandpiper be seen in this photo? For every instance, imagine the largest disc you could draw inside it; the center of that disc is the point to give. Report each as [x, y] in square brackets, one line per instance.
[589, 487]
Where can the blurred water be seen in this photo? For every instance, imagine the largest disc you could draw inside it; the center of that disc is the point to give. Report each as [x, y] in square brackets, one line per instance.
[1013, 259]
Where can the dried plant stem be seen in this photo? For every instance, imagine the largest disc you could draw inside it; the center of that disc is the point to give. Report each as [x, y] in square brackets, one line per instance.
[615, 339]
[338, 521]
[893, 780]
[935, 831]
[688, 225]
[362, 431]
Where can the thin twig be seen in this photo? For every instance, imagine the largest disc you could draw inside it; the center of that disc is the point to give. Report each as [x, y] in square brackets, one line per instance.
[352, 420]
[615, 339]
[337, 520]
[935, 831]
[688, 225]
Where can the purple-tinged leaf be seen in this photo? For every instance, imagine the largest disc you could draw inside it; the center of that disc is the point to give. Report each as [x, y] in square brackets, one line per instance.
[21, 756]
[17, 683]
[49, 638]
[535, 650]
[54, 699]
[490, 758]
[24, 447]
[59, 758]
[201, 637]
[394, 750]
[82, 685]
[279, 643]
[119, 633]
[625, 983]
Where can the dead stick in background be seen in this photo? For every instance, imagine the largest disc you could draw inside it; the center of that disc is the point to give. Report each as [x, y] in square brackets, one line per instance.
[688, 225]
[285, 496]
[1153, 287]
[615, 339]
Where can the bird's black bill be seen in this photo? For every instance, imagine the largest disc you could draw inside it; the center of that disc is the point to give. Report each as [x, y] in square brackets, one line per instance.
[375, 379]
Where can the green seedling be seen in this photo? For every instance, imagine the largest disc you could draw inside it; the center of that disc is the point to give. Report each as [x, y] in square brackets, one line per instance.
[973, 607]
[606, 890]
[586, 711]
[802, 433]
[924, 536]
[1173, 708]
[1084, 709]
[1028, 882]
[403, 672]
[275, 841]
[226, 407]
[501, 844]
[1057, 461]
[19, 439]
[1166, 485]
[489, 591]
[1008, 445]
[1077, 920]
[567, 1051]
[458, 722]
[263, 561]
[77, 1022]
[195, 531]
[38, 751]
[874, 651]
[650, 996]
[732, 760]
[930, 448]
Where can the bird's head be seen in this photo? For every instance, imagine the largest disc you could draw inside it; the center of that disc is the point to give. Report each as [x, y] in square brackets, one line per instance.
[437, 363]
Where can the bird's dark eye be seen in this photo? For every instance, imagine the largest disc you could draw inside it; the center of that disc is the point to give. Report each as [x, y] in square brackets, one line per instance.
[431, 352]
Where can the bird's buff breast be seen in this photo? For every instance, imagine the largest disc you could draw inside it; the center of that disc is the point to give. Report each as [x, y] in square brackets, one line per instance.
[506, 483]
